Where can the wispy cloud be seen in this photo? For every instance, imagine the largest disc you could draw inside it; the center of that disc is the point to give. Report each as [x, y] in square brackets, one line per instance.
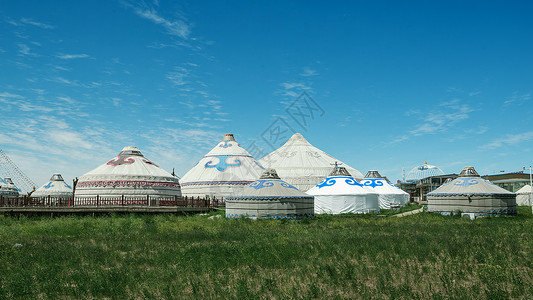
[25, 50]
[517, 98]
[308, 72]
[509, 140]
[35, 23]
[72, 56]
[174, 27]
[446, 116]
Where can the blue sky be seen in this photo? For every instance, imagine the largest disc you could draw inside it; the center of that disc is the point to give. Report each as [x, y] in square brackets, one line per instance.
[393, 83]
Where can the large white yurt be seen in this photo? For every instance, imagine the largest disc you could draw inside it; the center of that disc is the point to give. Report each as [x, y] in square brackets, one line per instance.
[129, 174]
[56, 187]
[423, 171]
[223, 171]
[271, 198]
[7, 188]
[302, 164]
[523, 195]
[340, 193]
[473, 194]
[387, 193]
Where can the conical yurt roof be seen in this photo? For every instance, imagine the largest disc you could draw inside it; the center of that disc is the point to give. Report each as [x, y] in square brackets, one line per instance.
[339, 182]
[423, 171]
[380, 185]
[526, 189]
[269, 186]
[129, 173]
[7, 188]
[222, 171]
[469, 183]
[302, 164]
[55, 187]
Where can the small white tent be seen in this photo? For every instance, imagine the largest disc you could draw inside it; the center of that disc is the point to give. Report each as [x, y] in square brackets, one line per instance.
[56, 187]
[387, 193]
[340, 193]
[302, 164]
[223, 171]
[523, 196]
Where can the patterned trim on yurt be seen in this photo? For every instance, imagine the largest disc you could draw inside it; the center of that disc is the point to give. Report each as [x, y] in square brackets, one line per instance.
[128, 183]
[274, 217]
[268, 197]
[243, 182]
[489, 212]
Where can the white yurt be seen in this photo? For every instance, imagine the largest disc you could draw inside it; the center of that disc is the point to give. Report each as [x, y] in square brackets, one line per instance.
[423, 171]
[270, 198]
[340, 193]
[223, 171]
[387, 193]
[7, 188]
[129, 174]
[56, 187]
[523, 196]
[302, 164]
[473, 194]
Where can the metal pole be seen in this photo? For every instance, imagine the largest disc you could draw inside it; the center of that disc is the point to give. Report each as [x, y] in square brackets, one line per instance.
[530, 190]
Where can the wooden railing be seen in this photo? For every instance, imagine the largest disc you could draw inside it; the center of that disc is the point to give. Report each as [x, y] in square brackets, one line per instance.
[122, 200]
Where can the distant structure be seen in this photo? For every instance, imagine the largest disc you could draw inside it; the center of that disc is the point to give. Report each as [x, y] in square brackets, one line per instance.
[423, 171]
[129, 174]
[340, 193]
[472, 194]
[55, 187]
[223, 171]
[9, 169]
[270, 198]
[302, 164]
[388, 194]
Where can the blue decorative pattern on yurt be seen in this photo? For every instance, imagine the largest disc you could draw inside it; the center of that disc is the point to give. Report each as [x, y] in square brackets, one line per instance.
[49, 185]
[262, 183]
[330, 181]
[223, 164]
[371, 182]
[466, 182]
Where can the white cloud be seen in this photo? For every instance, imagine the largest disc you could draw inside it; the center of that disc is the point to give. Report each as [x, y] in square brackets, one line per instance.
[72, 56]
[517, 98]
[34, 23]
[295, 85]
[309, 72]
[26, 50]
[509, 140]
[9, 95]
[174, 27]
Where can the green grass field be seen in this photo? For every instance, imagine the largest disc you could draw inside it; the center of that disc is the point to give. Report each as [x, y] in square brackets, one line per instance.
[421, 256]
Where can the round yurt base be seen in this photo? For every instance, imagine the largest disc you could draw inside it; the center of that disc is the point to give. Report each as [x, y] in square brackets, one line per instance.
[270, 209]
[479, 205]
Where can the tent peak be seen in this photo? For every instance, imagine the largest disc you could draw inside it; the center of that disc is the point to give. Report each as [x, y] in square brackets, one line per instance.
[270, 174]
[228, 137]
[56, 177]
[373, 174]
[130, 150]
[468, 172]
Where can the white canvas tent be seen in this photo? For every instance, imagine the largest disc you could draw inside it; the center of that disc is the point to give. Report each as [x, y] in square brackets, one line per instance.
[269, 197]
[56, 187]
[223, 171]
[340, 193]
[129, 174]
[523, 196]
[387, 193]
[302, 164]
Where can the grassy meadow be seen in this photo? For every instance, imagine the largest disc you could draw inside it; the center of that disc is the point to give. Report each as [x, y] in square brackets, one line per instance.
[166, 256]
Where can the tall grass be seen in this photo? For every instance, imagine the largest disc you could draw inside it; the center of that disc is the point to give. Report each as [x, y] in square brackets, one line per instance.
[165, 256]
